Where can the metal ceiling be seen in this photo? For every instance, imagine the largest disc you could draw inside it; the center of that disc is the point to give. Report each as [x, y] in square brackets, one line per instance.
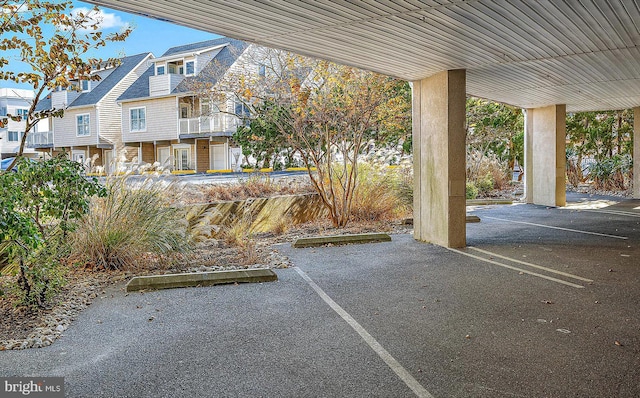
[583, 53]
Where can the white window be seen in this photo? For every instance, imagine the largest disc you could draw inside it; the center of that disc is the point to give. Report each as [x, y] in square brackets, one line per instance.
[262, 70]
[184, 111]
[160, 70]
[138, 119]
[84, 85]
[82, 125]
[205, 109]
[13, 136]
[190, 67]
[22, 112]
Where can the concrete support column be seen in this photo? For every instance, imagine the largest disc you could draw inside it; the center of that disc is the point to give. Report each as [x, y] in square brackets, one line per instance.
[636, 153]
[439, 151]
[548, 155]
[528, 155]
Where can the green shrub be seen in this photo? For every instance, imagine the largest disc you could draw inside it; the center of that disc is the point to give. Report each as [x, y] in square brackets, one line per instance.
[39, 206]
[41, 276]
[472, 190]
[612, 173]
[487, 172]
[131, 221]
[485, 185]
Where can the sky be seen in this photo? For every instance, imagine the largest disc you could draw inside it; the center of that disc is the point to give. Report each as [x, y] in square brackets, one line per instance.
[149, 35]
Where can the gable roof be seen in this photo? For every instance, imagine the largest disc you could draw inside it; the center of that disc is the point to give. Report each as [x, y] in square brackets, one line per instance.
[44, 103]
[127, 64]
[139, 88]
[222, 61]
[193, 47]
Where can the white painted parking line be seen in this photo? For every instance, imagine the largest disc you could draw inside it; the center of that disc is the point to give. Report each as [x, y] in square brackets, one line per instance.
[560, 228]
[399, 370]
[616, 212]
[524, 271]
[568, 275]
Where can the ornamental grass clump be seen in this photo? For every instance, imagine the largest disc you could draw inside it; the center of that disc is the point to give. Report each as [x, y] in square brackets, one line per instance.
[132, 221]
[379, 194]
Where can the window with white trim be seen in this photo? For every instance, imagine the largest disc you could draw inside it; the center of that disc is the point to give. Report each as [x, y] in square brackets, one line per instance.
[190, 68]
[160, 70]
[84, 85]
[82, 125]
[138, 119]
[13, 136]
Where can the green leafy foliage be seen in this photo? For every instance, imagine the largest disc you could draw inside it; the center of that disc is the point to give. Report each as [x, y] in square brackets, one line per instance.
[38, 208]
[495, 128]
[263, 140]
[472, 190]
[606, 139]
[609, 173]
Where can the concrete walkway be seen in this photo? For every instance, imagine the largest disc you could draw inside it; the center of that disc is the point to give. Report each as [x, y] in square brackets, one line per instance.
[393, 319]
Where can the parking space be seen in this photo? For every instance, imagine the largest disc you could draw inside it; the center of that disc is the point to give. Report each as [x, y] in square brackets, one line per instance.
[525, 311]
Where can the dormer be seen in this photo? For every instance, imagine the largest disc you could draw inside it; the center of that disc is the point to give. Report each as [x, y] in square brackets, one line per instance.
[63, 97]
[170, 70]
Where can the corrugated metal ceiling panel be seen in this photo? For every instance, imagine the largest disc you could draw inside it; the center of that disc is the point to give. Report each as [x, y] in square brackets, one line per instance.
[526, 53]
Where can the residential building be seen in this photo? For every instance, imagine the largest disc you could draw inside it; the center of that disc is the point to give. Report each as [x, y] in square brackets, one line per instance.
[14, 102]
[169, 116]
[90, 128]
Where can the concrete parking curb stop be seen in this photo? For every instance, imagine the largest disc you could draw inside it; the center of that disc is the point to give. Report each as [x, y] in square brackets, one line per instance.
[486, 202]
[340, 240]
[171, 281]
[469, 219]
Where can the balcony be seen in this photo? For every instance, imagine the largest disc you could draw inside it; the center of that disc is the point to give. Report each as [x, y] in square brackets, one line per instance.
[40, 139]
[216, 125]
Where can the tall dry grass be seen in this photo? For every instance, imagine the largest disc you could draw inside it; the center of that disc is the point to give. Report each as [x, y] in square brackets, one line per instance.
[255, 186]
[382, 193]
[135, 219]
[486, 173]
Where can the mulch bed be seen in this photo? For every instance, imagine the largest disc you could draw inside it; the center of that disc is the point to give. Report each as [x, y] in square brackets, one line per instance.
[18, 322]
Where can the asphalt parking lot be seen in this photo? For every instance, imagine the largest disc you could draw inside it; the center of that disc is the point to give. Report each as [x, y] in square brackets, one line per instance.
[544, 302]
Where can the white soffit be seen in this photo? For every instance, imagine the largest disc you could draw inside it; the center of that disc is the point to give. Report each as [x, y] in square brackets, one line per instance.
[526, 53]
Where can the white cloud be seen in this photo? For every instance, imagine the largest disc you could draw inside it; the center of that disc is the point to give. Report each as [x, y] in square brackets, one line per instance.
[13, 7]
[105, 20]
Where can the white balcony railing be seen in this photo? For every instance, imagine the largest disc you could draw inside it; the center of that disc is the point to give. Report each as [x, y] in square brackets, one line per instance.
[209, 124]
[39, 139]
